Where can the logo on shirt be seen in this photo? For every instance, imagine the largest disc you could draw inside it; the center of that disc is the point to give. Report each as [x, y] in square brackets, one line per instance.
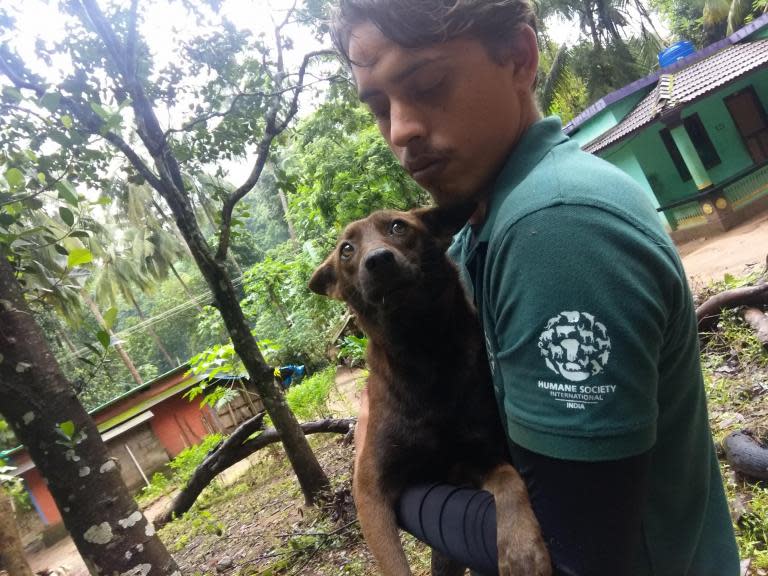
[575, 346]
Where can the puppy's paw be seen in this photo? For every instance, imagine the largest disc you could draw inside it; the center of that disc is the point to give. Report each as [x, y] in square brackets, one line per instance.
[524, 555]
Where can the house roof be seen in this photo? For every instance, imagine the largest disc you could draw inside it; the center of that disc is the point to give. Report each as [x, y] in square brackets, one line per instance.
[677, 88]
[652, 78]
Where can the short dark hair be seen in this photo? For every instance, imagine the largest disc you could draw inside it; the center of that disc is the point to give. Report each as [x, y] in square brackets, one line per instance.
[421, 23]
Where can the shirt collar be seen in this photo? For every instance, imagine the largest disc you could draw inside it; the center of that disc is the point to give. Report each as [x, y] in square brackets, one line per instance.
[535, 143]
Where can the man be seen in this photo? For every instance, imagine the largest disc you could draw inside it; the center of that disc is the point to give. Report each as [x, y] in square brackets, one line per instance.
[588, 319]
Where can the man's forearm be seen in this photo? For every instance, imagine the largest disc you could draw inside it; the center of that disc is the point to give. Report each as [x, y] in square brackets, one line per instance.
[590, 514]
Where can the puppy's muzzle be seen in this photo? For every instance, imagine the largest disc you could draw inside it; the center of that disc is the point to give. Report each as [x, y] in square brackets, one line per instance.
[380, 261]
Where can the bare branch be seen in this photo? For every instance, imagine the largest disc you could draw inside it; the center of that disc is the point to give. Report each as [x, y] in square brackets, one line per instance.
[272, 129]
[294, 107]
[130, 44]
[221, 114]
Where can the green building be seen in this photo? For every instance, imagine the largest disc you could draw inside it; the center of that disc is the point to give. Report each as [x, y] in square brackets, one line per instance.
[694, 134]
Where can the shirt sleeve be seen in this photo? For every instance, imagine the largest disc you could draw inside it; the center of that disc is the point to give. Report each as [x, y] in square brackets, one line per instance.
[578, 308]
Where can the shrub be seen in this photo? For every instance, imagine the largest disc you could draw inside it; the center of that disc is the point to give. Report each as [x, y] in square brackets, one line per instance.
[309, 400]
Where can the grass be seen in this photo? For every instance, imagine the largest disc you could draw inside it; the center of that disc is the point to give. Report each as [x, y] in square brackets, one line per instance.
[261, 521]
[735, 367]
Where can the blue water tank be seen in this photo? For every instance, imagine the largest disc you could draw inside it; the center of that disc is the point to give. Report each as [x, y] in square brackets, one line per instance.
[675, 52]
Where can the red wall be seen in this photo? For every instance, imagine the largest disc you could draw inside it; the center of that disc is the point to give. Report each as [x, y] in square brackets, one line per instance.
[178, 423]
[45, 503]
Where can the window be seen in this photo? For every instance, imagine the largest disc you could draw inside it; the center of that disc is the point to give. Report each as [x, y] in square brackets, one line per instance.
[704, 147]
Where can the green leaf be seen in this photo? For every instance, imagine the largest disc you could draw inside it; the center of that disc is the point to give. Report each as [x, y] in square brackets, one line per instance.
[66, 120]
[110, 316]
[50, 101]
[103, 114]
[67, 192]
[80, 234]
[61, 250]
[67, 428]
[78, 256]
[103, 338]
[67, 216]
[12, 93]
[15, 178]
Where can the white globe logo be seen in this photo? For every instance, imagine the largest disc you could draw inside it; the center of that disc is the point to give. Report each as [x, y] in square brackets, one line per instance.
[575, 346]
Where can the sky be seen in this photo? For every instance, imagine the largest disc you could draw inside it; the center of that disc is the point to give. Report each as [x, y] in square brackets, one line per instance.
[164, 22]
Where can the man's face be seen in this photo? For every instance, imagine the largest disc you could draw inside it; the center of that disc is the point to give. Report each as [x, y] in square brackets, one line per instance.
[449, 112]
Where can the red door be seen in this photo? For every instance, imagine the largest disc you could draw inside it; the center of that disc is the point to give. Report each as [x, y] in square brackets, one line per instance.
[750, 119]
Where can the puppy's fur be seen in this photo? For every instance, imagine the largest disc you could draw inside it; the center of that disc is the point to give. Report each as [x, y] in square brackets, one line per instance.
[433, 416]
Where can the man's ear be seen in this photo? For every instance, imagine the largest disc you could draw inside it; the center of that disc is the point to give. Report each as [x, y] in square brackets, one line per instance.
[324, 280]
[444, 222]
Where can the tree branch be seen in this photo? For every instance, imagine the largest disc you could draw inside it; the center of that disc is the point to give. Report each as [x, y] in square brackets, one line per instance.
[271, 130]
[232, 450]
[709, 312]
[15, 71]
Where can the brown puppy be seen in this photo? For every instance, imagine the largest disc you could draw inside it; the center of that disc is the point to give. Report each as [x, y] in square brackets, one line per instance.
[433, 416]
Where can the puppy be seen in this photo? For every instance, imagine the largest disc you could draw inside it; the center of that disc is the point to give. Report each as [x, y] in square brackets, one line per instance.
[433, 415]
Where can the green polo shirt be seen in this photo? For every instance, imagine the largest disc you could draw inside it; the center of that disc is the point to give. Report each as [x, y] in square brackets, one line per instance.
[593, 343]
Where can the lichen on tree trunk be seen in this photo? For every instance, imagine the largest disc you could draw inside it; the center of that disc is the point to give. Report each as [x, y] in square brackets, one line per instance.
[110, 532]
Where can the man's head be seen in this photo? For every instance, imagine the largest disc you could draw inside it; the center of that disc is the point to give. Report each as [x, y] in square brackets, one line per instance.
[449, 82]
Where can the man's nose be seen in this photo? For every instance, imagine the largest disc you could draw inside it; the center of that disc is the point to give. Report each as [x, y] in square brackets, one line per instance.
[405, 124]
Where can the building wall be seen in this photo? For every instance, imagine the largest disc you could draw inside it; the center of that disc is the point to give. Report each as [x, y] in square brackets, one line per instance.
[147, 450]
[608, 118]
[41, 497]
[178, 423]
[624, 158]
[657, 166]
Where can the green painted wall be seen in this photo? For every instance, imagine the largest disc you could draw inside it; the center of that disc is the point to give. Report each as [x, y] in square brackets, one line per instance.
[625, 159]
[608, 118]
[659, 171]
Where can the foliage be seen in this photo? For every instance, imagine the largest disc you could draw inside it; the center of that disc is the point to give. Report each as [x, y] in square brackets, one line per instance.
[353, 349]
[309, 399]
[283, 309]
[182, 467]
[338, 168]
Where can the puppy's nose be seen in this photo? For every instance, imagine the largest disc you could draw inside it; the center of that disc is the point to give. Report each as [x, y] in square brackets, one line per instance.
[379, 259]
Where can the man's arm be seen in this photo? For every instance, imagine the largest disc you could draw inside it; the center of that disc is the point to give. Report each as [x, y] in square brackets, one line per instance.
[590, 514]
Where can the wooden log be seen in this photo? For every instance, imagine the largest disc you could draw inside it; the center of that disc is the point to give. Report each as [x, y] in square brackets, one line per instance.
[709, 312]
[236, 448]
[746, 455]
[758, 321]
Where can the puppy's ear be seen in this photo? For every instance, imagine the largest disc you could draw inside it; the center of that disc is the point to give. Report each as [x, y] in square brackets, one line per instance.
[444, 222]
[324, 280]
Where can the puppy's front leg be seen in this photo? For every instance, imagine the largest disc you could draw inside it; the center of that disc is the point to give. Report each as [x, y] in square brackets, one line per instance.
[522, 551]
[377, 519]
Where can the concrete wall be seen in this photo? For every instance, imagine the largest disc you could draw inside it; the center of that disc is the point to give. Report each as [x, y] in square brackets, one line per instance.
[147, 450]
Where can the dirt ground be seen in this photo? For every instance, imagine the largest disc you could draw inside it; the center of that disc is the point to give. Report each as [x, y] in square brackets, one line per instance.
[734, 252]
[64, 555]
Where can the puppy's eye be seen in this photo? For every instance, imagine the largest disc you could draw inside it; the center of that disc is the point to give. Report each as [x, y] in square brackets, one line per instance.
[398, 227]
[346, 251]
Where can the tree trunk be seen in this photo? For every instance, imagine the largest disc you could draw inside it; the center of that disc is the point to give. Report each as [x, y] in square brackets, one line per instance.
[118, 347]
[153, 334]
[167, 180]
[234, 449]
[284, 204]
[709, 312]
[758, 321]
[12, 556]
[185, 287]
[308, 471]
[110, 532]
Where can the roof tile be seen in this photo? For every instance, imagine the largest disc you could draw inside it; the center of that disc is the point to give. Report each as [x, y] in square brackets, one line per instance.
[685, 86]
